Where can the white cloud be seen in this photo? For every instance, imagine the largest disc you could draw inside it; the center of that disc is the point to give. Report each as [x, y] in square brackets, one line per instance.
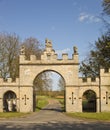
[84, 17]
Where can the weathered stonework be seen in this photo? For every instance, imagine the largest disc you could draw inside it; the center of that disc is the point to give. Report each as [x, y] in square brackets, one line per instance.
[22, 88]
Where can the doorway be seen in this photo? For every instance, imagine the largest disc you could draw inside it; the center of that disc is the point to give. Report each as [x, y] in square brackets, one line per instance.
[9, 102]
[89, 101]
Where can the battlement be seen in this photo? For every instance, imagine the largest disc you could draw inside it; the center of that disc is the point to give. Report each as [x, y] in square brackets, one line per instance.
[49, 59]
[49, 56]
[88, 81]
[105, 72]
[9, 82]
[105, 77]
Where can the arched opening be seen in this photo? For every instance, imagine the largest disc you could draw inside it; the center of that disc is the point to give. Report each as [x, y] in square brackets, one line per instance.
[89, 101]
[9, 101]
[49, 84]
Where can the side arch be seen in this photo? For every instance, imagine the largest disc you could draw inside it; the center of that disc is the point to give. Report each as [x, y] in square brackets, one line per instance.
[89, 103]
[9, 101]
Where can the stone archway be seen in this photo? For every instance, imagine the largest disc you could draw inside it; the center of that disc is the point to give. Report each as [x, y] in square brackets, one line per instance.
[9, 101]
[74, 85]
[29, 68]
[47, 77]
[89, 101]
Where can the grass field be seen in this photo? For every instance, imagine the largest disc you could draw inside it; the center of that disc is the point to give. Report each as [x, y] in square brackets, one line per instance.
[41, 102]
[103, 116]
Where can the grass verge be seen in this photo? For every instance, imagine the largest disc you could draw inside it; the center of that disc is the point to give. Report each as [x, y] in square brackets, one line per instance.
[103, 116]
[12, 114]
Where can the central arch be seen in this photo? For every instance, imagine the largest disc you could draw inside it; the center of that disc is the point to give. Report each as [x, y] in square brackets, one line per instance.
[49, 77]
[66, 67]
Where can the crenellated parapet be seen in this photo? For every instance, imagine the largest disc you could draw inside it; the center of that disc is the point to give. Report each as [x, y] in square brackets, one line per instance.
[105, 77]
[9, 82]
[49, 56]
[105, 72]
[88, 82]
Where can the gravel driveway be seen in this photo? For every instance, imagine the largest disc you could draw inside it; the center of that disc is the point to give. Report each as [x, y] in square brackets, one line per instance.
[51, 118]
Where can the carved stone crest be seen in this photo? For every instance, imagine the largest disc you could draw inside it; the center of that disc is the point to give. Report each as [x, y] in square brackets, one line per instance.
[48, 43]
[75, 49]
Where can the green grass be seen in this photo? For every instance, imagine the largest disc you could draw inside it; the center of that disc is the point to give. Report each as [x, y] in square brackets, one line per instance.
[42, 101]
[104, 116]
[12, 114]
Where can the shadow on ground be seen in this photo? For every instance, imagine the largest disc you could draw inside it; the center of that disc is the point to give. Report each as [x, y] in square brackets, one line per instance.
[56, 126]
[53, 109]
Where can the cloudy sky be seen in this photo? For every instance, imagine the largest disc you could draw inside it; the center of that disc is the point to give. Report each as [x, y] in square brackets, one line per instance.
[67, 23]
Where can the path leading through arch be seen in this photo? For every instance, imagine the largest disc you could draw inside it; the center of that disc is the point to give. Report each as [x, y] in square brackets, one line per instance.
[51, 118]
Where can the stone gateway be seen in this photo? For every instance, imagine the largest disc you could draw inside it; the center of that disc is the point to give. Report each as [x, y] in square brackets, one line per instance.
[80, 95]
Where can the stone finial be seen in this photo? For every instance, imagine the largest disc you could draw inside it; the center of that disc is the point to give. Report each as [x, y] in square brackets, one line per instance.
[48, 43]
[22, 50]
[75, 49]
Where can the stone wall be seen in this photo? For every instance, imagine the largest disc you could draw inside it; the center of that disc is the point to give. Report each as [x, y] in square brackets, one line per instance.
[105, 89]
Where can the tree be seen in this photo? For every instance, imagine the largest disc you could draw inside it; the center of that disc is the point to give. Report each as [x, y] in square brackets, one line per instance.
[106, 10]
[9, 51]
[99, 57]
[32, 47]
[43, 83]
[106, 6]
[61, 84]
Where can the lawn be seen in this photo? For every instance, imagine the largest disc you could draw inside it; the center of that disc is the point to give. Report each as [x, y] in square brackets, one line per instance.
[103, 116]
[41, 102]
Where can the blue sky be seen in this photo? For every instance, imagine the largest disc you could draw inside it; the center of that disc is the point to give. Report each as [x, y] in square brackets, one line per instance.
[67, 23]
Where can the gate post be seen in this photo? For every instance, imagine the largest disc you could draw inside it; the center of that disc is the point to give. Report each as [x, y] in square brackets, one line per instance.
[26, 99]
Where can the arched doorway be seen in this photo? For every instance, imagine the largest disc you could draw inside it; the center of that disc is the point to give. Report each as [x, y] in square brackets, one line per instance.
[9, 101]
[30, 69]
[49, 83]
[89, 101]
